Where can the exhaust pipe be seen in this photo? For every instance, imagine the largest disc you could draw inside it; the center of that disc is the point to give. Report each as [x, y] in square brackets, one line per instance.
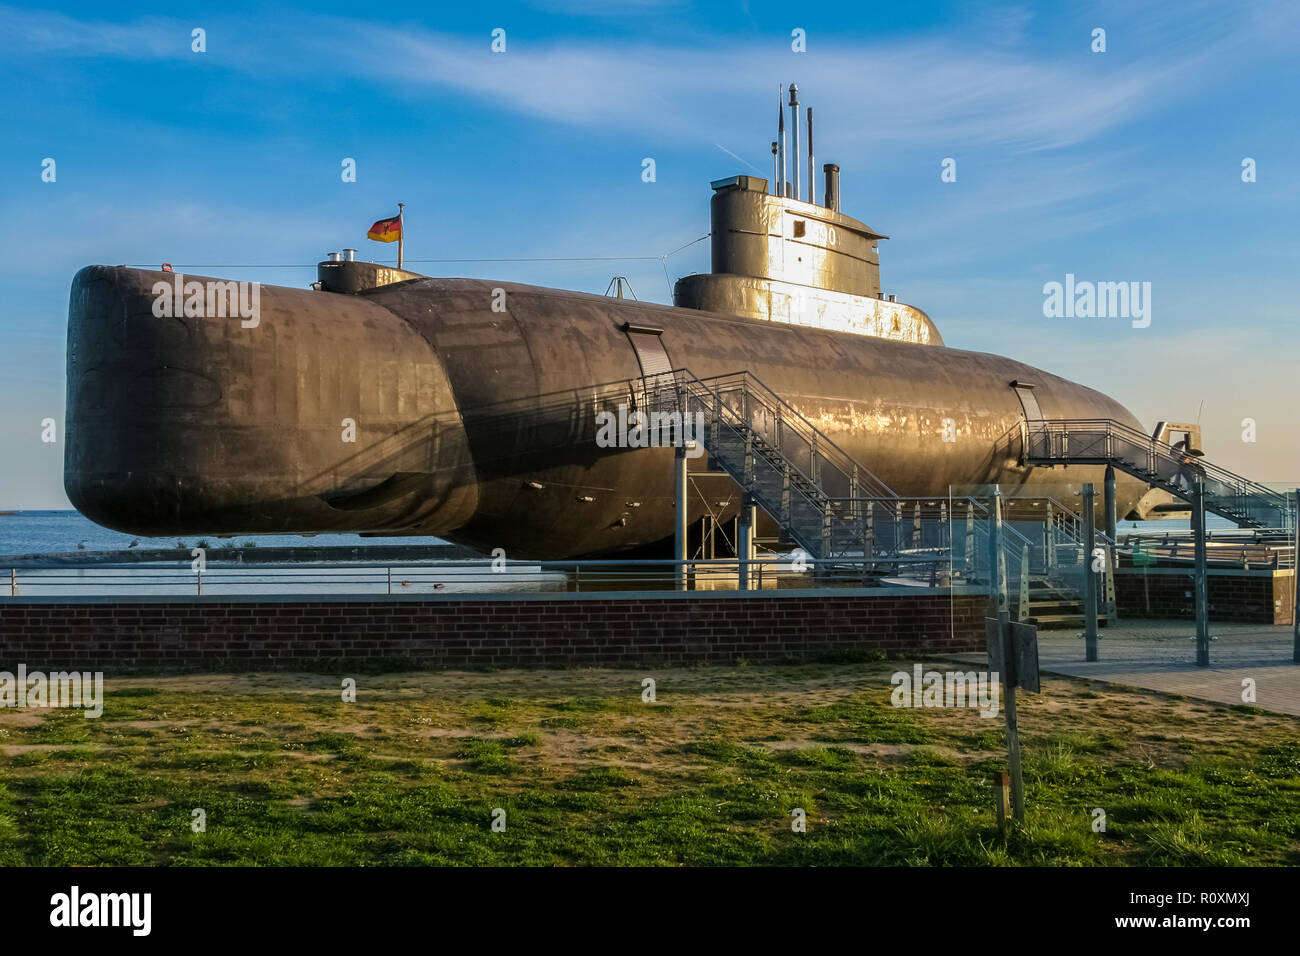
[832, 186]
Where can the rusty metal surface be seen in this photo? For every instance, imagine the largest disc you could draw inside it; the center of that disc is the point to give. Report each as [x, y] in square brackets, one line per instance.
[802, 305]
[475, 425]
[796, 262]
[754, 234]
[182, 425]
[354, 276]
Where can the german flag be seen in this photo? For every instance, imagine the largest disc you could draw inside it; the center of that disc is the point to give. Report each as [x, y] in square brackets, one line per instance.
[386, 230]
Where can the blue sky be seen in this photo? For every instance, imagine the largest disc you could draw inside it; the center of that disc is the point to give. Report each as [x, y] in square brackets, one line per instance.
[1115, 166]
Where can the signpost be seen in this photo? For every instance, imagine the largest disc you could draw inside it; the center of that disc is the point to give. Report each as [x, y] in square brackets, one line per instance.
[1013, 655]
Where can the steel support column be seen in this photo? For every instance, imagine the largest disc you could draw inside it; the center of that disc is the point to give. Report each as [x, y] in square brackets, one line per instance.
[1089, 575]
[1202, 575]
[997, 562]
[745, 542]
[1111, 517]
[679, 538]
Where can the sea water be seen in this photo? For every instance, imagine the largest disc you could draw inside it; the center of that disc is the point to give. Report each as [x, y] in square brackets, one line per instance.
[68, 532]
[60, 532]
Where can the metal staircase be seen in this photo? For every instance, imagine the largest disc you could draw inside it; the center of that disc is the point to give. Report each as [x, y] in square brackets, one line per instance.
[1108, 442]
[823, 500]
[1045, 571]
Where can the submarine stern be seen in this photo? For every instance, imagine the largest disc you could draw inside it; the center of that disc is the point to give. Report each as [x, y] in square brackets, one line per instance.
[201, 406]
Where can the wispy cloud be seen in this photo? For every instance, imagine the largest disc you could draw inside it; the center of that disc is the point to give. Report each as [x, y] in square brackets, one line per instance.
[925, 91]
[604, 10]
[936, 88]
[32, 33]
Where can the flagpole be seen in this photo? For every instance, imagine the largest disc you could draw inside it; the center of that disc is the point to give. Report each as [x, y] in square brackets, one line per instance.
[401, 233]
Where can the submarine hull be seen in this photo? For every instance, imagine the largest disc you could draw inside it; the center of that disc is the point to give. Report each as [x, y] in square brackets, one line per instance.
[471, 407]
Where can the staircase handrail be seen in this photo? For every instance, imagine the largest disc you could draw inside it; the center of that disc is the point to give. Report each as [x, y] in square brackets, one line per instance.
[1158, 450]
[751, 384]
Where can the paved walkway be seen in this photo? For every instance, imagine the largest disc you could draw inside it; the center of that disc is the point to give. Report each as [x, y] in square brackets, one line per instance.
[1161, 655]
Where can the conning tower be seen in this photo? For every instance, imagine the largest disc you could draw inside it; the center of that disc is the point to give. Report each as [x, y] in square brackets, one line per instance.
[780, 258]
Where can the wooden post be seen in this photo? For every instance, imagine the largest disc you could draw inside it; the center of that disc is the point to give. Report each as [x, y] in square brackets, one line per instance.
[1009, 708]
[1002, 800]
[1013, 757]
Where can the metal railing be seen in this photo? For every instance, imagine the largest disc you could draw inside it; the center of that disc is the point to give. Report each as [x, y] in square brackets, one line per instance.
[933, 542]
[1260, 549]
[1105, 441]
[827, 503]
[469, 577]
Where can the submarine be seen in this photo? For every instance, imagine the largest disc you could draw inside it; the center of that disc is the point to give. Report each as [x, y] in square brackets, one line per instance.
[384, 402]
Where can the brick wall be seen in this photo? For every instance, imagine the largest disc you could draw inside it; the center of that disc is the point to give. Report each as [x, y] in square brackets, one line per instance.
[170, 635]
[1256, 597]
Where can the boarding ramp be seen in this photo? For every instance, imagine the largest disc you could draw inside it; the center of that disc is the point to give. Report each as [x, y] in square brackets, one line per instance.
[823, 500]
[1104, 441]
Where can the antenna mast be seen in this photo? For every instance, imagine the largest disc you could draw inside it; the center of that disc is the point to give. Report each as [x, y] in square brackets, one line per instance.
[812, 168]
[781, 189]
[794, 122]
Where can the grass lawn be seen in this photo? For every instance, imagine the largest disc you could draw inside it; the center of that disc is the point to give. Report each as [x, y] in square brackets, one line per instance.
[587, 773]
